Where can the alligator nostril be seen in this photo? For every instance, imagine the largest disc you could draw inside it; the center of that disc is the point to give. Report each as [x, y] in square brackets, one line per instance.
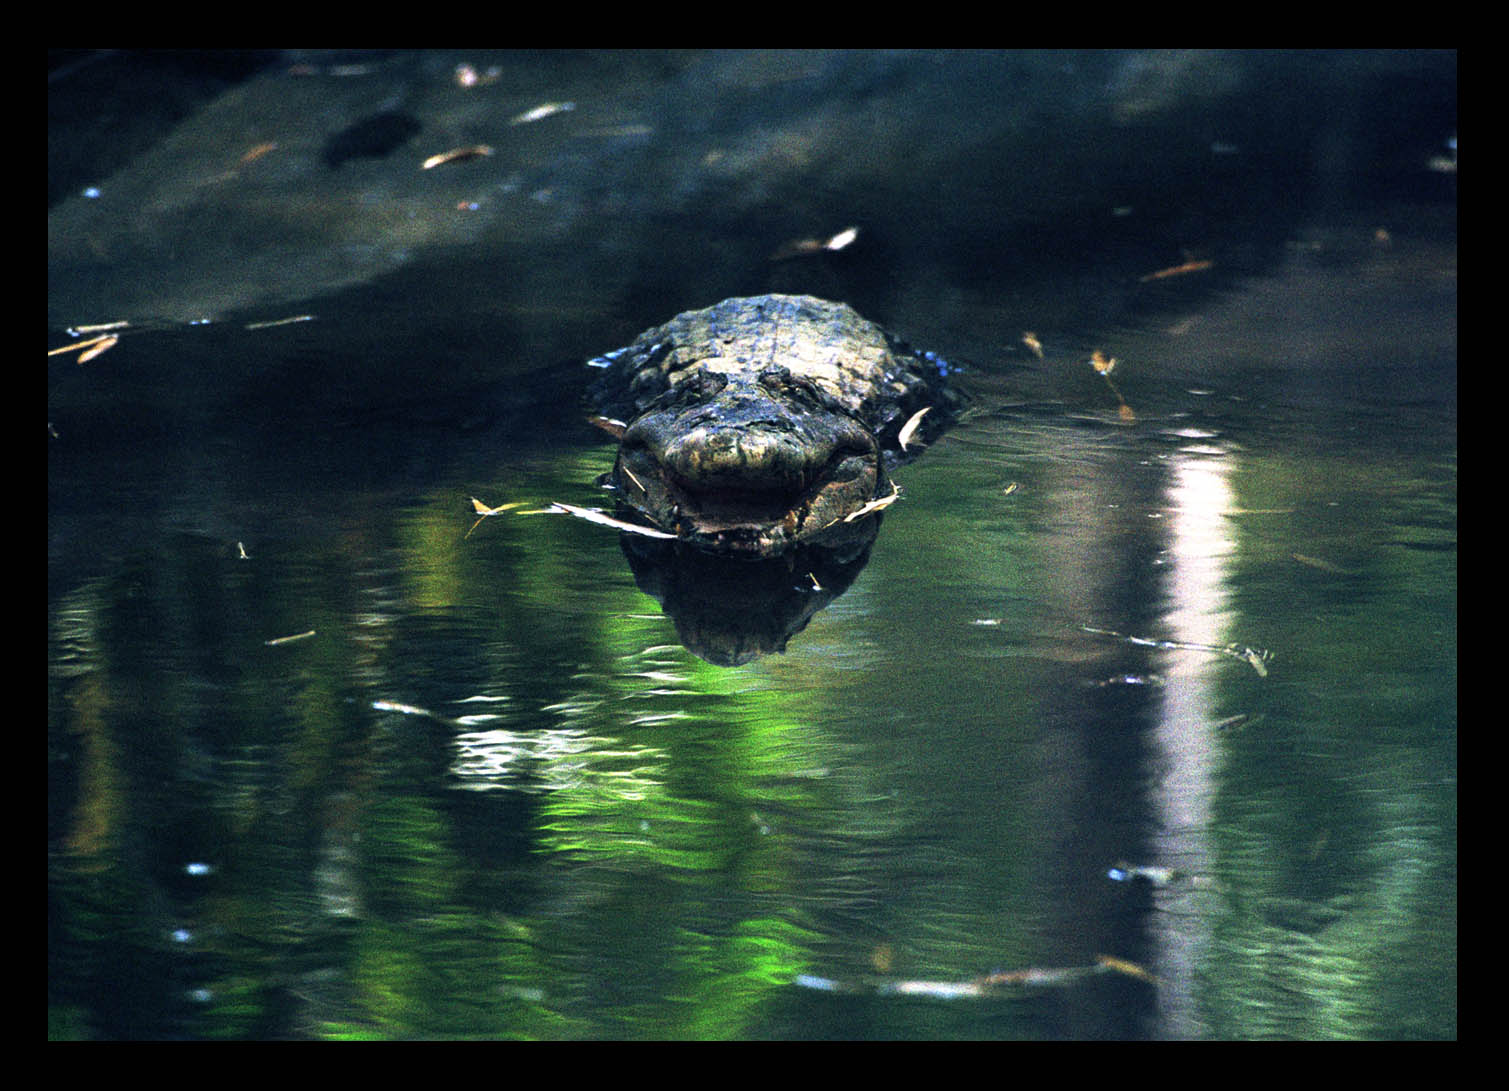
[745, 458]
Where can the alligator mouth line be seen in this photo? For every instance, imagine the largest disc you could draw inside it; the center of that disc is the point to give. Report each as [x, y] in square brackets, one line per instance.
[751, 519]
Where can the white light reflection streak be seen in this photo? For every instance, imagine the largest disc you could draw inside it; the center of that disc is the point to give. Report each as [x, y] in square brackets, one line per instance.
[1200, 551]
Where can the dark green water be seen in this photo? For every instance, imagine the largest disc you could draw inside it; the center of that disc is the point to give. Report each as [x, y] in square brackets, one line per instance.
[1137, 724]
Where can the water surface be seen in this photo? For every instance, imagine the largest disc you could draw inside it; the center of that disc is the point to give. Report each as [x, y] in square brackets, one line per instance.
[1139, 722]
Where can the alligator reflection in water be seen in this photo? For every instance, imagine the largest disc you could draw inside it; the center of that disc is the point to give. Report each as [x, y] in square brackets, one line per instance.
[730, 610]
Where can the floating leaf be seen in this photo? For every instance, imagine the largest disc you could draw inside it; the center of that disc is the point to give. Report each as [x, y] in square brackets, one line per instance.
[539, 113]
[275, 641]
[105, 345]
[457, 155]
[938, 990]
[988, 985]
[1039, 976]
[1122, 966]
[484, 511]
[595, 515]
[909, 429]
[842, 239]
[799, 247]
[1191, 266]
[875, 505]
[259, 151]
[1324, 565]
[59, 351]
[1257, 658]
[1236, 723]
[279, 322]
[1104, 364]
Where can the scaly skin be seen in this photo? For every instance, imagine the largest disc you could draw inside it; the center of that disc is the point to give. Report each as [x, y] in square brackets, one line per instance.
[761, 424]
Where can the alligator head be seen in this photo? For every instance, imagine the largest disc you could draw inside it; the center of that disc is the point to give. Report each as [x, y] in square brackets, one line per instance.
[749, 463]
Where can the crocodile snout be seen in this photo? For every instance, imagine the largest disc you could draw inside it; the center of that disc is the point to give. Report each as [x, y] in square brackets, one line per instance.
[733, 472]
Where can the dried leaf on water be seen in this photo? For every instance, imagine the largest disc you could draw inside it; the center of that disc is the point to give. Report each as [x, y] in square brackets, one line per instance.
[95, 345]
[483, 511]
[1104, 364]
[1236, 723]
[909, 429]
[259, 151]
[875, 505]
[457, 155]
[1256, 658]
[938, 990]
[424, 713]
[401, 708]
[1191, 266]
[988, 985]
[842, 239]
[1324, 565]
[291, 320]
[801, 247]
[105, 345]
[1039, 976]
[602, 518]
[277, 640]
[542, 111]
[1122, 966]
